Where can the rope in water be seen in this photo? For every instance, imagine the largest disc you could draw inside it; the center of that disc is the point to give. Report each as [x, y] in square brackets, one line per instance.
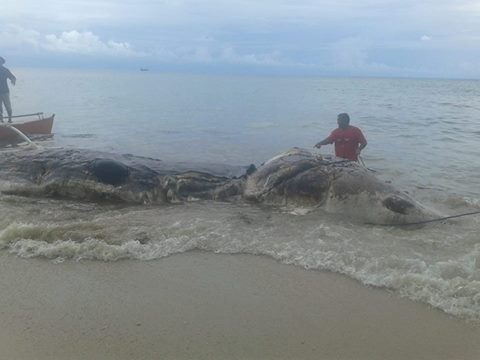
[424, 221]
[428, 221]
[361, 161]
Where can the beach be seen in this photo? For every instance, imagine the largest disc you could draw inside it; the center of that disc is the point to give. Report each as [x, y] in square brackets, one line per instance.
[201, 305]
[239, 180]
[239, 280]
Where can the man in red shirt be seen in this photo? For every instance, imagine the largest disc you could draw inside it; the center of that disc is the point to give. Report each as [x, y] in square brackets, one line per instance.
[349, 140]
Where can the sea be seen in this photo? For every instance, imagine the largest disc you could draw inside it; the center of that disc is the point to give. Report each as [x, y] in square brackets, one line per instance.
[423, 137]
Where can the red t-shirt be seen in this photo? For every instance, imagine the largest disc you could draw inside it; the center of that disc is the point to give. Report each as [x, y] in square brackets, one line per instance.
[347, 141]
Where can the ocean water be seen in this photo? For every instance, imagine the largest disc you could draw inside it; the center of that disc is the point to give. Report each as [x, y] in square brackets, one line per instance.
[423, 137]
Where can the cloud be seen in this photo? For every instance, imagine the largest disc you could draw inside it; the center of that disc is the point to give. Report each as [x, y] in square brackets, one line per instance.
[352, 55]
[219, 54]
[85, 43]
[12, 36]
[73, 42]
[360, 37]
[230, 55]
[209, 51]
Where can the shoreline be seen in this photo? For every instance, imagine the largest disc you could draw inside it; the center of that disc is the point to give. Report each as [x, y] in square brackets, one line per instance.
[200, 305]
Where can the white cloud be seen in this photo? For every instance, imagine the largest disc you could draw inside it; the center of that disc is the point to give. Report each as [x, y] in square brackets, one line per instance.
[12, 36]
[216, 53]
[351, 54]
[388, 34]
[199, 54]
[230, 55]
[84, 43]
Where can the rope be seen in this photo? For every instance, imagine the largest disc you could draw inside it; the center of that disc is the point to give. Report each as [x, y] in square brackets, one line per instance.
[411, 223]
[361, 161]
[418, 222]
[428, 221]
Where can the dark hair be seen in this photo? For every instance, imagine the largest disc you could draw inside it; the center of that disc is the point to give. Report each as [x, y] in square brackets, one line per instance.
[344, 117]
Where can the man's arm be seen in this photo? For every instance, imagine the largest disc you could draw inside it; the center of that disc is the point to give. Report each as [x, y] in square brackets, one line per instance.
[12, 77]
[323, 142]
[362, 141]
[328, 140]
[361, 147]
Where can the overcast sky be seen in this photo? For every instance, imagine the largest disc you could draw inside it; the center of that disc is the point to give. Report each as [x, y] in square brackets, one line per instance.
[409, 38]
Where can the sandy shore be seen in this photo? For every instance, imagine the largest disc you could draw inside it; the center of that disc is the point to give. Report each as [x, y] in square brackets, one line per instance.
[206, 306]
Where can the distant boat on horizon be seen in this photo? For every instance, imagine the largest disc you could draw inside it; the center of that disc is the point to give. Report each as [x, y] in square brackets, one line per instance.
[144, 69]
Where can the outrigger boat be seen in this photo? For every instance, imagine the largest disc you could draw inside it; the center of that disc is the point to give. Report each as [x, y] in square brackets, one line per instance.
[40, 126]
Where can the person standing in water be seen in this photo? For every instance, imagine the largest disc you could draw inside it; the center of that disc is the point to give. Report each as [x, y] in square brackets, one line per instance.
[4, 91]
[349, 140]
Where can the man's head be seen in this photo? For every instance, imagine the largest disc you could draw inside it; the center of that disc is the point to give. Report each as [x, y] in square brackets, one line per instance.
[343, 120]
[2, 60]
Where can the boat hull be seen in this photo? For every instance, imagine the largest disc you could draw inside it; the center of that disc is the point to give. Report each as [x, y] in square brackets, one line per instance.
[34, 127]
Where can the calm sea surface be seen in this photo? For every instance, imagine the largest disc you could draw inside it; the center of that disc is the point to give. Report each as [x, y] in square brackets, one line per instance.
[423, 135]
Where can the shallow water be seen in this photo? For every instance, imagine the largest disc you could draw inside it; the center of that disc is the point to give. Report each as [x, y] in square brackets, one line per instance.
[423, 136]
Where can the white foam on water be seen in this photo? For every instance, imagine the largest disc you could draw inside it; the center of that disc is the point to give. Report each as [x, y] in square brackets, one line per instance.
[437, 264]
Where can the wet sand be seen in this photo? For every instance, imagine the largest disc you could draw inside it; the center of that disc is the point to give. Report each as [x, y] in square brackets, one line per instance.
[200, 305]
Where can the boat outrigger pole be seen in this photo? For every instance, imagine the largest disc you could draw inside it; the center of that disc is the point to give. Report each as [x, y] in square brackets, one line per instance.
[19, 133]
[39, 114]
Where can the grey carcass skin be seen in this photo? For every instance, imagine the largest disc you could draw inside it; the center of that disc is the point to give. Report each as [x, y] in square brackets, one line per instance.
[84, 175]
[295, 178]
[298, 178]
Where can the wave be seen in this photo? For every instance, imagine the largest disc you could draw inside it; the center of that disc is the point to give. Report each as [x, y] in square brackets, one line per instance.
[460, 202]
[79, 136]
[438, 264]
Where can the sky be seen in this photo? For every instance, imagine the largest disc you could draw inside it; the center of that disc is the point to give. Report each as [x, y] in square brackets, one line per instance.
[399, 38]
